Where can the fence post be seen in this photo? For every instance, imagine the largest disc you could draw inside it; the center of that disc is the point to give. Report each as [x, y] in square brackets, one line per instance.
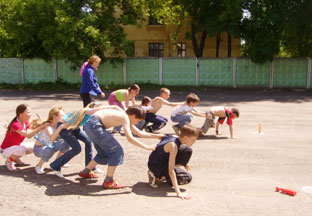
[124, 69]
[234, 72]
[272, 74]
[197, 72]
[309, 73]
[22, 71]
[160, 71]
[55, 70]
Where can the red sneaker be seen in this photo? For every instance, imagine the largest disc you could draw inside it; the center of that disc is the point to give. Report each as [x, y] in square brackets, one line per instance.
[112, 185]
[88, 176]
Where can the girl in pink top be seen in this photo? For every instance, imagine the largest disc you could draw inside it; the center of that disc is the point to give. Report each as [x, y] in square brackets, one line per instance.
[13, 147]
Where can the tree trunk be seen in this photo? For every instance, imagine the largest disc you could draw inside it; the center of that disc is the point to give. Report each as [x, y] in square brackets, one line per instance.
[218, 40]
[229, 45]
[198, 50]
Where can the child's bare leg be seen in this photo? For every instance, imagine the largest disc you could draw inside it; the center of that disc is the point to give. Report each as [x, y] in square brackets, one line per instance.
[40, 163]
[59, 154]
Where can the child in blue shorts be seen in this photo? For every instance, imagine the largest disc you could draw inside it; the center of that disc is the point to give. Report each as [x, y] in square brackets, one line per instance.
[109, 151]
[47, 140]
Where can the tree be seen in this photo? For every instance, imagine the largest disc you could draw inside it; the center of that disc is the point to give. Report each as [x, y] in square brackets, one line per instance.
[297, 37]
[262, 29]
[67, 29]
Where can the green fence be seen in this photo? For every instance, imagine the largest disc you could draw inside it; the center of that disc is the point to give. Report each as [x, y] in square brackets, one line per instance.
[179, 72]
[252, 74]
[11, 70]
[214, 72]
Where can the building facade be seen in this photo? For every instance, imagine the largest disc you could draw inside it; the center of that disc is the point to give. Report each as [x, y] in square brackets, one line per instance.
[157, 40]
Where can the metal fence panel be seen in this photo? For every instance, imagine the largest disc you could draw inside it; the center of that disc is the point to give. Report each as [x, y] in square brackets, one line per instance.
[109, 73]
[290, 73]
[142, 71]
[216, 72]
[179, 72]
[252, 74]
[66, 74]
[10, 70]
[37, 70]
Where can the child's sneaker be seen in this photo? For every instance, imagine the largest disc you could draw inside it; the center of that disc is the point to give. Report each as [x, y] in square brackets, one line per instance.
[66, 165]
[98, 170]
[151, 179]
[112, 185]
[39, 170]
[176, 129]
[58, 173]
[88, 176]
[10, 165]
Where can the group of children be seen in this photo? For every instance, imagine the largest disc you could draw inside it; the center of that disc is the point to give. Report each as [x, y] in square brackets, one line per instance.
[61, 132]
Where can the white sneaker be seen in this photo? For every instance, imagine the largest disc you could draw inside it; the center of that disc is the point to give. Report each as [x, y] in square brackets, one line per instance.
[10, 165]
[151, 179]
[58, 173]
[39, 170]
[98, 170]
[66, 165]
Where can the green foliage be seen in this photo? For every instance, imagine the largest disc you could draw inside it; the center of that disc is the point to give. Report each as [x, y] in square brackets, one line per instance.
[66, 29]
[262, 30]
[297, 38]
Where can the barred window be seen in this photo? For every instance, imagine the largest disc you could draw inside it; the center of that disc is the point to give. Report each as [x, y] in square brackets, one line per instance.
[181, 48]
[156, 49]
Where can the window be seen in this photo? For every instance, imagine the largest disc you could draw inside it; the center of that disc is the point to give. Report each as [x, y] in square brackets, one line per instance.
[156, 50]
[181, 49]
[154, 21]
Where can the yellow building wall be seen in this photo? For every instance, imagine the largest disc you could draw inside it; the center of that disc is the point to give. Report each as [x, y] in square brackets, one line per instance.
[165, 34]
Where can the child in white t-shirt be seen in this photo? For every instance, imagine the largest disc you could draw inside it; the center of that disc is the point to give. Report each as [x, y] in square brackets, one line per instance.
[183, 113]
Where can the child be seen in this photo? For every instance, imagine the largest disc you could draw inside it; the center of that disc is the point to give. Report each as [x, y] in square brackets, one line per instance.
[158, 121]
[169, 155]
[13, 147]
[146, 106]
[123, 95]
[183, 113]
[222, 113]
[109, 150]
[47, 140]
[73, 133]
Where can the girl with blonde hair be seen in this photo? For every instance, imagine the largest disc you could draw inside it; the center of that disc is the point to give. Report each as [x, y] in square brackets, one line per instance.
[48, 140]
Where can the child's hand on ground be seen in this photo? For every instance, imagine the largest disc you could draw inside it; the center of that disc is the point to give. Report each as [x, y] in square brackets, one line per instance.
[183, 196]
[187, 167]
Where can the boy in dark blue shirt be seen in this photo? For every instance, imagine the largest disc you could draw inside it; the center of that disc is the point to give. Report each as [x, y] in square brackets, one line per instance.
[169, 156]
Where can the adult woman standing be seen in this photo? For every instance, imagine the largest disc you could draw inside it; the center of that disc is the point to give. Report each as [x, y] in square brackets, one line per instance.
[90, 88]
[13, 147]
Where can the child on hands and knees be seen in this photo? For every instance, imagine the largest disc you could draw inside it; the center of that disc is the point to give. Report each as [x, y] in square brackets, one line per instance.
[169, 156]
[47, 140]
[223, 113]
[109, 151]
